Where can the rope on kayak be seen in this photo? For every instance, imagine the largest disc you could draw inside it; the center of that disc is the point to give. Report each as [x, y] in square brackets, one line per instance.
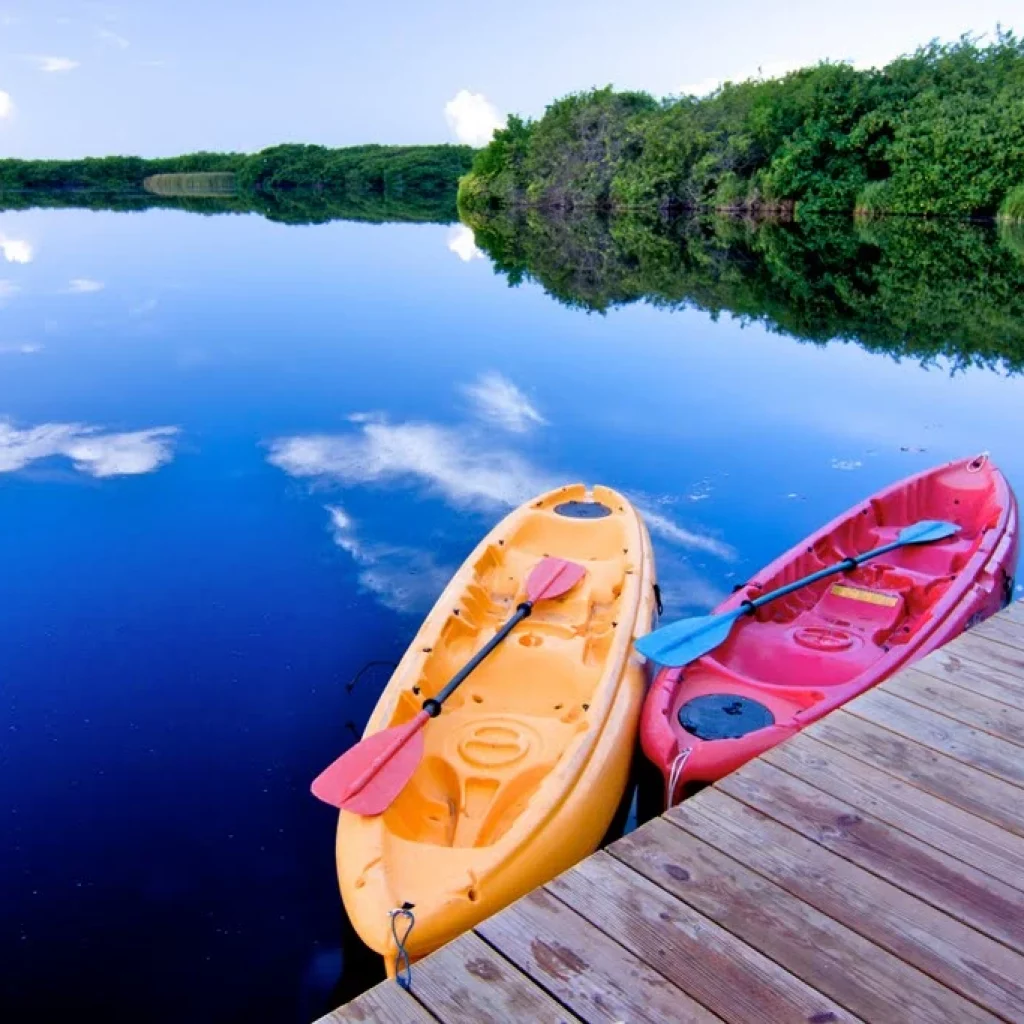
[675, 774]
[403, 968]
[657, 600]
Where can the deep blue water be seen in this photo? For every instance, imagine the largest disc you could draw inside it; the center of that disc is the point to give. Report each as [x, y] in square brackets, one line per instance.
[238, 460]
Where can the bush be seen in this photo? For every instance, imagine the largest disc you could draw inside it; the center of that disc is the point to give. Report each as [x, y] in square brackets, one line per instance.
[938, 132]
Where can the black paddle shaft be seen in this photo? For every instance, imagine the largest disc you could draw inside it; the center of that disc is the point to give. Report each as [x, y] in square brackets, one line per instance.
[432, 705]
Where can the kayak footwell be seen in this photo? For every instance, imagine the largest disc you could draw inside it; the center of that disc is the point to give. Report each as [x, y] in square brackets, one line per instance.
[871, 868]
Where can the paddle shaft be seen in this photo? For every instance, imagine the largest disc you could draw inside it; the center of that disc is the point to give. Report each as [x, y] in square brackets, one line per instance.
[846, 565]
[432, 705]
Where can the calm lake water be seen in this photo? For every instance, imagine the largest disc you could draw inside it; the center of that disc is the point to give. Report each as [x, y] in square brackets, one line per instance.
[238, 461]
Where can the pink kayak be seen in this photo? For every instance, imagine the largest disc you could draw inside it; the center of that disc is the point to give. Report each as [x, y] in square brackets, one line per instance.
[801, 656]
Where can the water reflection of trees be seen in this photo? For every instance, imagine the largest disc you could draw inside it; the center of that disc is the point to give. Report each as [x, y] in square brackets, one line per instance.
[288, 206]
[915, 288]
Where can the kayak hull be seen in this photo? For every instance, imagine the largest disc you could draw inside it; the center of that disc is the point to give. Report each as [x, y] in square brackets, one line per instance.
[802, 656]
[527, 763]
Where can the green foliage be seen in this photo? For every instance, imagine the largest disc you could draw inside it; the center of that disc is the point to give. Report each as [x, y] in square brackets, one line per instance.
[359, 173]
[1012, 208]
[915, 288]
[386, 170]
[109, 173]
[941, 129]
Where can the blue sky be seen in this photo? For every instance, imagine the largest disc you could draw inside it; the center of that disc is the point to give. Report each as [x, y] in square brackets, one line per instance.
[159, 78]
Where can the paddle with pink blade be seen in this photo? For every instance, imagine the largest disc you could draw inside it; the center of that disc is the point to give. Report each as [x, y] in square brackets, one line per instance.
[368, 778]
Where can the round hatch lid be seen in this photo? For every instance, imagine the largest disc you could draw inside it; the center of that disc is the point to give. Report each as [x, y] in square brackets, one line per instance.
[723, 716]
[583, 510]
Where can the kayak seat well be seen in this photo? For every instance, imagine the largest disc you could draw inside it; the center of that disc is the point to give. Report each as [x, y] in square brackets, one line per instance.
[503, 733]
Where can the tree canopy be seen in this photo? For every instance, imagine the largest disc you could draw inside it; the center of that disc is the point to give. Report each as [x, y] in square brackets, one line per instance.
[940, 131]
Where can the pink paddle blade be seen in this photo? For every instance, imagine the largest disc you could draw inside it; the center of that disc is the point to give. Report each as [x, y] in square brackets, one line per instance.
[368, 778]
[552, 577]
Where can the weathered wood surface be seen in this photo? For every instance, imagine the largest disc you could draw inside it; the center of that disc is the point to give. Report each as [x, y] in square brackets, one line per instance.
[872, 868]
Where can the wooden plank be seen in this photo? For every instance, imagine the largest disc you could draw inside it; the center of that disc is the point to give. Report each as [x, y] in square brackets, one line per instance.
[954, 954]
[1014, 612]
[959, 741]
[989, 652]
[856, 973]
[724, 974]
[583, 968]
[1001, 630]
[933, 876]
[970, 708]
[934, 821]
[972, 790]
[949, 665]
[467, 980]
[386, 1003]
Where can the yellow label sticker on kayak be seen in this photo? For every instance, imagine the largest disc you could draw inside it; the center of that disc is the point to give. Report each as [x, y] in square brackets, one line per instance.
[856, 594]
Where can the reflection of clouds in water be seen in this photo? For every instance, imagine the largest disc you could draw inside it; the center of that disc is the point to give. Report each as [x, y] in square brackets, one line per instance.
[459, 466]
[401, 578]
[91, 452]
[84, 286]
[15, 250]
[500, 402]
[8, 289]
[463, 467]
[665, 528]
[19, 348]
[462, 242]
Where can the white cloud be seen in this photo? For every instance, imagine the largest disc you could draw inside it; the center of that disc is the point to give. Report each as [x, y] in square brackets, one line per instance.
[769, 69]
[84, 286]
[8, 289]
[500, 402]
[16, 250]
[462, 242]
[143, 308]
[6, 105]
[57, 65]
[472, 117]
[112, 38]
[90, 450]
[449, 461]
[22, 348]
[846, 464]
[401, 578]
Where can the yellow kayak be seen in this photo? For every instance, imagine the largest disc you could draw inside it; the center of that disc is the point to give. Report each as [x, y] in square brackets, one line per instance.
[527, 763]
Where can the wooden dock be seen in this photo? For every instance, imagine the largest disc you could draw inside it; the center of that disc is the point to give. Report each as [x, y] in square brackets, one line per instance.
[872, 868]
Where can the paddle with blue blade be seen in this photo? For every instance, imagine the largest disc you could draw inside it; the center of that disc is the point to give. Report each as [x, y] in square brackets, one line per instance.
[368, 778]
[684, 641]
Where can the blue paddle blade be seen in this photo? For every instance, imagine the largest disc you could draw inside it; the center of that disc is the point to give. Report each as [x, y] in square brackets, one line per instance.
[926, 531]
[681, 642]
